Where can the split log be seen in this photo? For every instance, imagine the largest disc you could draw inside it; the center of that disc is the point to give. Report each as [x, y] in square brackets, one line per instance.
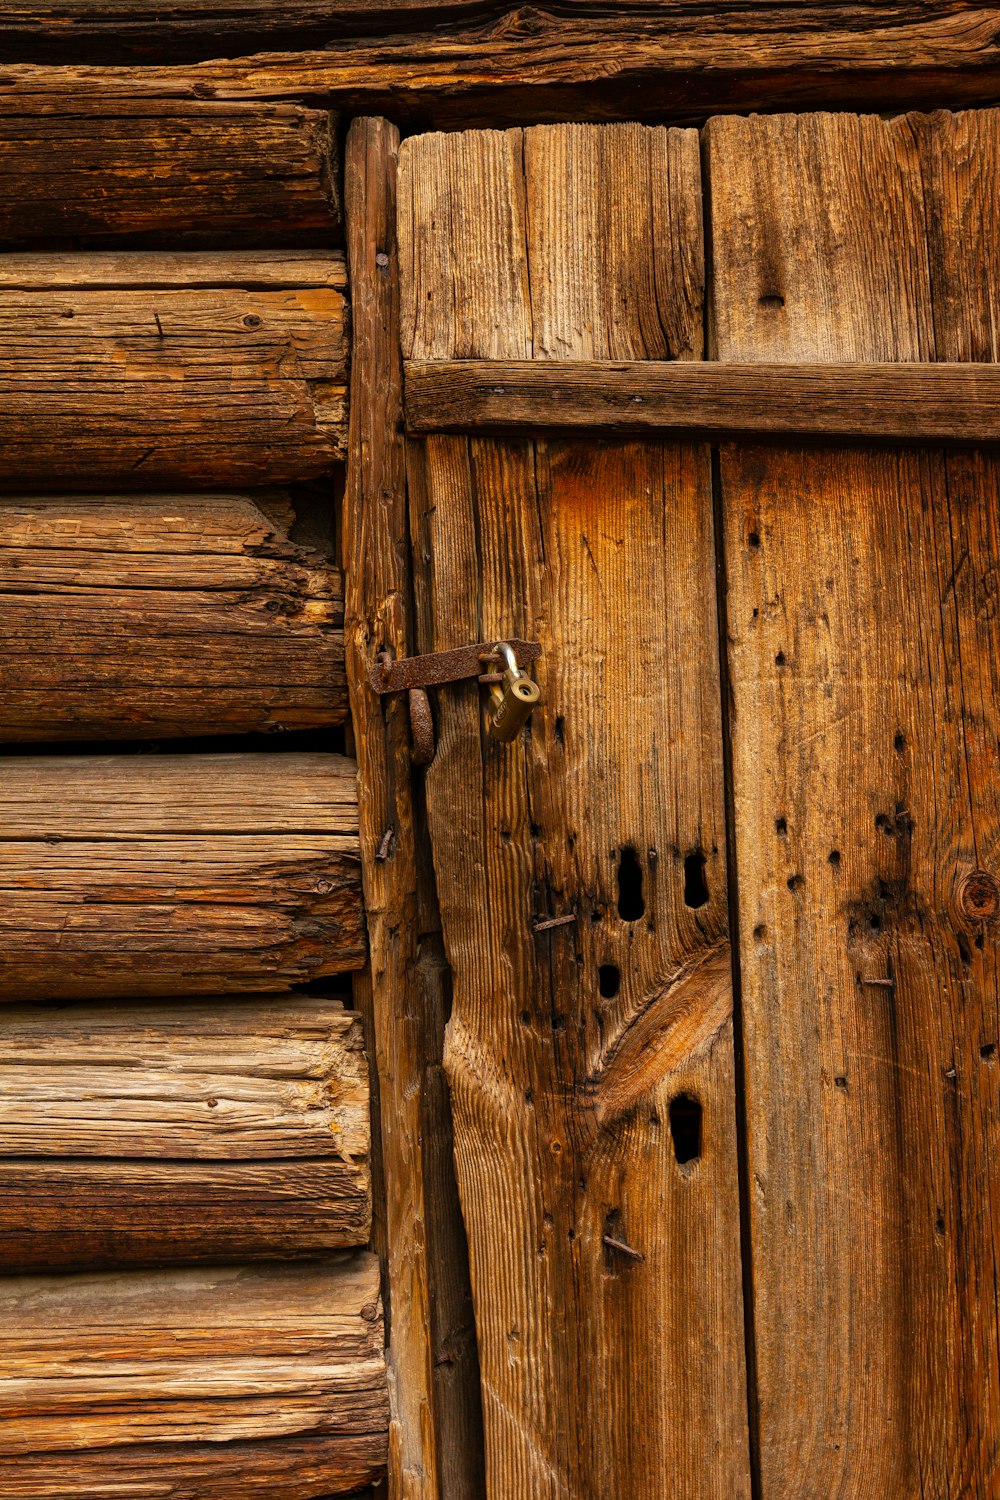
[194, 173]
[126, 374]
[581, 871]
[865, 679]
[192, 1131]
[490, 64]
[437, 1447]
[139, 616]
[193, 1385]
[124, 876]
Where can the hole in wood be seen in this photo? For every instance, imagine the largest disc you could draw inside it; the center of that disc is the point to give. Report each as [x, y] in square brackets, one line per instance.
[988, 1051]
[631, 905]
[685, 1128]
[609, 980]
[695, 884]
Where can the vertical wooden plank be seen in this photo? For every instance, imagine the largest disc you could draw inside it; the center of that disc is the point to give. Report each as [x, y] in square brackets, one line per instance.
[435, 1436]
[865, 663]
[606, 1271]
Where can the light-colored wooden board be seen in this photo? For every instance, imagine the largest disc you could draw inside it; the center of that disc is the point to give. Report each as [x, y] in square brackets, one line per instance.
[150, 1382]
[605, 1370]
[144, 616]
[257, 174]
[864, 664]
[132, 875]
[158, 385]
[436, 1433]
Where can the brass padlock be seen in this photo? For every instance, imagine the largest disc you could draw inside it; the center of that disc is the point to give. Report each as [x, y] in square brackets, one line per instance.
[512, 700]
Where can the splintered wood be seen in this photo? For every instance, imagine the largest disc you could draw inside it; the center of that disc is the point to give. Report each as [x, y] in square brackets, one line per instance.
[185, 1130]
[865, 668]
[125, 876]
[138, 616]
[591, 1062]
[251, 1381]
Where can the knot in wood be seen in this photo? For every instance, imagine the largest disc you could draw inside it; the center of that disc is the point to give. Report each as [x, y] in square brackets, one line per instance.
[978, 896]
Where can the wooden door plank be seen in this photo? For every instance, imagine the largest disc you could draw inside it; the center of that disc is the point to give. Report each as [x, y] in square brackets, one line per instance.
[136, 616]
[606, 1273]
[183, 1130]
[196, 174]
[206, 385]
[953, 403]
[166, 1383]
[865, 665]
[436, 1430]
[132, 875]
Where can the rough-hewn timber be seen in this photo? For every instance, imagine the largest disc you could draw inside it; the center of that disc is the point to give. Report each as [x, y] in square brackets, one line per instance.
[468, 62]
[139, 616]
[436, 1447]
[124, 378]
[954, 403]
[582, 871]
[865, 671]
[199, 173]
[131, 875]
[181, 1131]
[192, 1384]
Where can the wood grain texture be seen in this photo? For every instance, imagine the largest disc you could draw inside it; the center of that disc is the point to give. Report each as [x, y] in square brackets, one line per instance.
[436, 1433]
[125, 876]
[465, 62]
[140, 616]
[953, 403]
[192, 1131]
[209, 173]
[605, 1371]
[253, 270]
[206, 386]
[168, 1383]
[864, 664]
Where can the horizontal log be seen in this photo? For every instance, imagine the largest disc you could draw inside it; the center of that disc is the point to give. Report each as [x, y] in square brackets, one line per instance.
[202, 384]
[205, 174]
[133, 875]
[245, 270]
[470, 63]
[922, 403]
[138, 616]
[183, 1131]
[172, 1383]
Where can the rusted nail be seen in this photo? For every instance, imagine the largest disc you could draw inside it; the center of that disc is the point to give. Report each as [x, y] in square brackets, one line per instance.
[622, 1248]
[385, 846]
[542, 924]
[978, 896]
[158, 323]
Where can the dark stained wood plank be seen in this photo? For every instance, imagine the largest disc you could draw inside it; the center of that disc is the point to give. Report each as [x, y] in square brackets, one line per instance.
[182, 1384]
[913, 403]
[209, 385]
[131, 875]
[463, 62]
[605, 1269]
[200, 174]
[436, 1447]
[865, 671]
[184, 1131]
[141, 616]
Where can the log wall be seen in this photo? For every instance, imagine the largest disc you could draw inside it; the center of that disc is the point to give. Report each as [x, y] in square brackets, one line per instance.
[194, 1130]
[196, 373]
[176, 1383]
[137, 616]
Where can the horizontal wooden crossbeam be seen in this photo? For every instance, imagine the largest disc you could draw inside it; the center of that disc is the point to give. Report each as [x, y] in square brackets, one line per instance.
[924, 403]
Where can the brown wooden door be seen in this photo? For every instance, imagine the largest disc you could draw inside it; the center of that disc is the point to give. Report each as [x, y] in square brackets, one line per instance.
[629, 1180]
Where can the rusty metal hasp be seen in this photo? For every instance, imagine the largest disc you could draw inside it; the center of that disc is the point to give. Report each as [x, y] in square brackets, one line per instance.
[513, 694]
